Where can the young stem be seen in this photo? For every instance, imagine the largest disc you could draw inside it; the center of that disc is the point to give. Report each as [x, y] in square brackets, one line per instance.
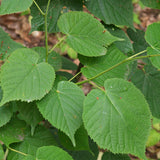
[46, 30]
[75, 76]
[100, 155]
[39, 8]
[24, 154]
[93, 84]
[6, 154]
[59, 42]
[116, 65]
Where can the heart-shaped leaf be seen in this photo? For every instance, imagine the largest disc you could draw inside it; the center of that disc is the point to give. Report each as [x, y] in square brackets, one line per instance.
[63, 108]
[118, 119]
[85, 34]
[23, 79]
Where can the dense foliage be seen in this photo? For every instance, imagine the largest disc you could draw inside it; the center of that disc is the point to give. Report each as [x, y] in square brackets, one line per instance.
[44, 114]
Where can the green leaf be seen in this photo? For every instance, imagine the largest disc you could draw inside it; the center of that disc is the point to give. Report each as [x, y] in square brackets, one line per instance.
[148, 81]
[23, 79]
[28, 157]
[112, 12]
[85, 34]
[52, 152]
[95, 66]
[66, 75]
[1, 152]
[12, 132]
[81, 138]
[118, 119]
[139, 43]
[30, 144]
[63, 108]
[54, 59]
[30, 114]
[124, 46]
[54, 12]
[7, 45]
[8, 7]
[151, 3]
[152, 37]
[68, 64]
[6, 114]
[111, 156]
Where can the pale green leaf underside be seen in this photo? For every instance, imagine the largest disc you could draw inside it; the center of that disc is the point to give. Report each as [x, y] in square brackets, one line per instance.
[119, 12]
[23, 79]
[85, 34]
[100, 64]
[118, 119]
[13, 6]
[152, 37]
[63, 108]
[51, 153]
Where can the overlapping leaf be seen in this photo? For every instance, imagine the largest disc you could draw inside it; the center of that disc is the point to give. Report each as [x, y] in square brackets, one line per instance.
[81, 138]
[5, 114]
[148, 81]
[152, 3]
[12, 132]
[124, 46]
[112, 12]
[54, 59]
[23, 79]
[95, 66]
[139, 43]
[30, 144]
[85, 34]
[30, 114]
[52, 152]
[7, 45]
[63, 108]
[118, 119]
[54, 12]
[152, 37]
[8, 7]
